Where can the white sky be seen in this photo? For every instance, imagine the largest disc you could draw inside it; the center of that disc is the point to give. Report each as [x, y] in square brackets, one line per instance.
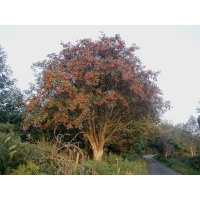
[173, 50]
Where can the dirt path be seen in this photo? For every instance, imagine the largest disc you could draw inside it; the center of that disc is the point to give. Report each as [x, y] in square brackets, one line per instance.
[157, 168]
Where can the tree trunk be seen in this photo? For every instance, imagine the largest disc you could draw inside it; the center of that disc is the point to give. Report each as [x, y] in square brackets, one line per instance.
[165, 154]
[97, 144]
[97, 153]
[97, 150]
[192, 151]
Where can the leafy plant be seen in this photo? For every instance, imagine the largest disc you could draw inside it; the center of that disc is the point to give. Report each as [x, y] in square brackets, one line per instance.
[116, 165]
[30, 168]
[14, 153]
[184, 165]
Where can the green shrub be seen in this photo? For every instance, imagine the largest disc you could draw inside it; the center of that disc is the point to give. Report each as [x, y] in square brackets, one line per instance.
[184, 165]
[131, 156]
[14, 153]
[196, 162]
[30, 168]
[6, 128]
[116, 165]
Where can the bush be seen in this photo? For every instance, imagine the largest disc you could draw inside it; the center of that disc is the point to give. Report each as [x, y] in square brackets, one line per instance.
[185, 165]
[14, 153]
[196, 162]
[30, 168]
[131, 155]
[116, 165]
[6, 128]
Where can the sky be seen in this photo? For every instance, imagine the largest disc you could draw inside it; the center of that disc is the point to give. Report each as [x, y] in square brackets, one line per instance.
[172, 50]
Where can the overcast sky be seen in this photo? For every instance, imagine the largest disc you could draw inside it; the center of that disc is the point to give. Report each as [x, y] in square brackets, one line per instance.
[172, 50]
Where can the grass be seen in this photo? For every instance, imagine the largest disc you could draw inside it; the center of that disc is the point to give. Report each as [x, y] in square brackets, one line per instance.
[116, 165]
[182, 165]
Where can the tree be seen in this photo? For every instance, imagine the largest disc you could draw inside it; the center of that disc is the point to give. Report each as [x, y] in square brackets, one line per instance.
[191, 132]
[198, 119]
[10, 96]
[99, 87]
[5, 72]
[178, 140]
[198, 109]
[164, 143]
[134, 141]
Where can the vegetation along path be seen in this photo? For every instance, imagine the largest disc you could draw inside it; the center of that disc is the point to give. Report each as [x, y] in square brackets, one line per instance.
[157, 168]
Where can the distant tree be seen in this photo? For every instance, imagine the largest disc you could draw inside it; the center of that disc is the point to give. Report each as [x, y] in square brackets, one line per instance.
[10, 96]
[198, 121]
[191, 132]
[179, 140]
[99, 87]
[198, 109]
[191, 125]
[164, 143]
[5, 72]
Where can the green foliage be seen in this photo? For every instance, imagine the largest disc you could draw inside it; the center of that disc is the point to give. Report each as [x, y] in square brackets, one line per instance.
[6, 128]
[11, 98]
[131, 155]
[178, 140]
[184, 165]
[14, 153]
[116, 165]
[138, 140]
[58, 157]
[5, 72]
[139, 145]
[196, 162]
[30, 168]
[198, 119]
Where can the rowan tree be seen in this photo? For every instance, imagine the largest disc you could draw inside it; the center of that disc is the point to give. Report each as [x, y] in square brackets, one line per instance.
[99, 87]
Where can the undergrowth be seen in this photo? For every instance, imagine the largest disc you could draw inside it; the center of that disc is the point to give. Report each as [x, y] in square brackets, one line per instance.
[60, 158]
[184, 165]
[116, 165]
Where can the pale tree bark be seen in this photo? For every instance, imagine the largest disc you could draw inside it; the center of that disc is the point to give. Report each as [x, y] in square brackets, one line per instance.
[98, 153]
[165, 154]
[96, 139]
[97, 148]
[192, 150]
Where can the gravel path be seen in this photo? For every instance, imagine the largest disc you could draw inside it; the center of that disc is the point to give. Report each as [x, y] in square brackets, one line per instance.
[157, 168]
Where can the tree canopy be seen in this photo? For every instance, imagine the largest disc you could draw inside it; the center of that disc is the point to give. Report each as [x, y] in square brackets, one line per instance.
[10, 96]
[99, 87]
[198, 119]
